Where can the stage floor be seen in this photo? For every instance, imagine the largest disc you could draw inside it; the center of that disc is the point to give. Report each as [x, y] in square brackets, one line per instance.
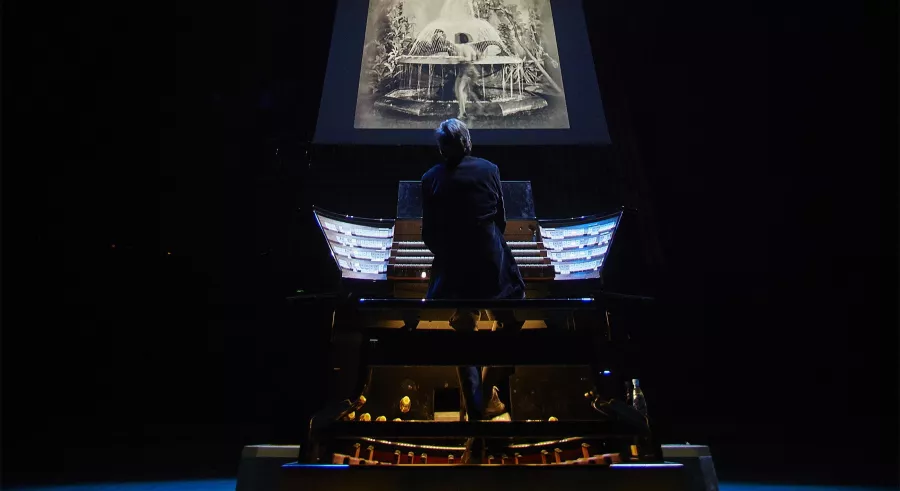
[229, 485]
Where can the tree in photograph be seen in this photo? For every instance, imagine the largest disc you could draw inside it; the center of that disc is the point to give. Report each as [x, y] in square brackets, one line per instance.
[514, 31]
[394, 40]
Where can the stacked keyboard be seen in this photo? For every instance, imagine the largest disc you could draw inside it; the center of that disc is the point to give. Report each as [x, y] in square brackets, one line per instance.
[411, 260]
[387, 249]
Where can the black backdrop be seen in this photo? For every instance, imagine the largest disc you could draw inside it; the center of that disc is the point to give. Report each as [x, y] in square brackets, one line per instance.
[776, 321]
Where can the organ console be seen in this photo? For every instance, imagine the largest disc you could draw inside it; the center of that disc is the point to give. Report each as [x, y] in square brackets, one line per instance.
[393, 354]
[392, 249]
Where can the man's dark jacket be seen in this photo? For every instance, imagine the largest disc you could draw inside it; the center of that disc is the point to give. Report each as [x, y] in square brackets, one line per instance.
[463, 221]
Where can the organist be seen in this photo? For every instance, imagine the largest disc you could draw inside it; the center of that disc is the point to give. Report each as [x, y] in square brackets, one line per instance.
[463, 221]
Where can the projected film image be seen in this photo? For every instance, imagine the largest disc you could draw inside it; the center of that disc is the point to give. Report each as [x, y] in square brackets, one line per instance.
[491, 63]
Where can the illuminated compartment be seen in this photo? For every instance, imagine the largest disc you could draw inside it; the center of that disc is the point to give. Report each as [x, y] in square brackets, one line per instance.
[577, 248]
[360, 247]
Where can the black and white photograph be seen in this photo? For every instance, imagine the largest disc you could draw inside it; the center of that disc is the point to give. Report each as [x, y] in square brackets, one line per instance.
[491, 63]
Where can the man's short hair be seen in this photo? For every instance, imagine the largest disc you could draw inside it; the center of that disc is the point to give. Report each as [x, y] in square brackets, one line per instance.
[453, 135]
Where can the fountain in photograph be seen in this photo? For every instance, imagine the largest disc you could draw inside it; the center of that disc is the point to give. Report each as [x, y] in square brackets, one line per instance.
[460, 60]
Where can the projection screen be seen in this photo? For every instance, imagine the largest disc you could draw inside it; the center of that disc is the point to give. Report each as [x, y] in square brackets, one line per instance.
[516, 71]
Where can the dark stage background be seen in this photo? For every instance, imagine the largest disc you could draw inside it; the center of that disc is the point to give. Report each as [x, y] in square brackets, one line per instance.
[759, 146]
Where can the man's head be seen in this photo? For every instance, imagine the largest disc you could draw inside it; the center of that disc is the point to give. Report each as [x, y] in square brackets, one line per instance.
[453, 139]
